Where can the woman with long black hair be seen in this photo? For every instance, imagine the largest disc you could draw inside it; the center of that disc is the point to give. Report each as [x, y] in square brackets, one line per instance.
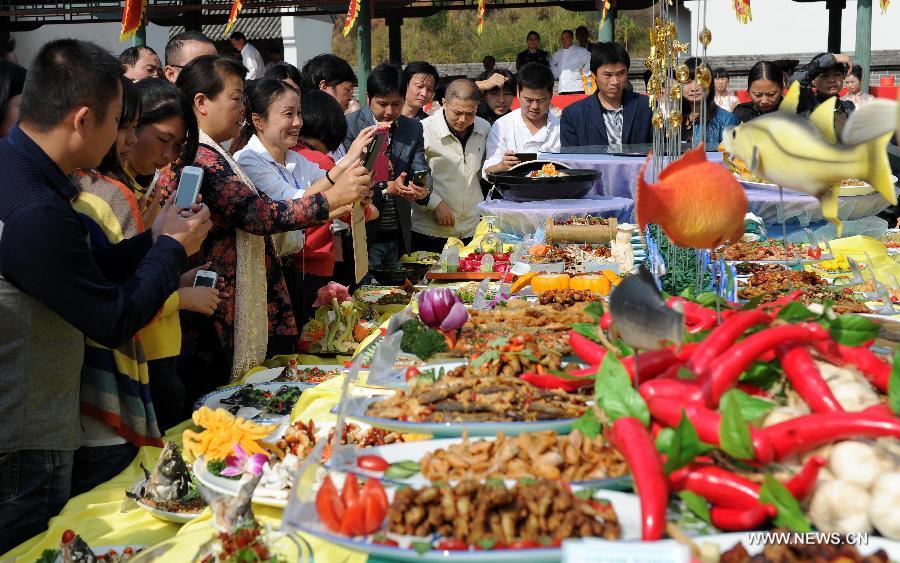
[692, 101]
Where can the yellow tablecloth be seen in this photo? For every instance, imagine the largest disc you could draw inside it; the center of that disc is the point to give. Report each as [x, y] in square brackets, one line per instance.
[97, 517]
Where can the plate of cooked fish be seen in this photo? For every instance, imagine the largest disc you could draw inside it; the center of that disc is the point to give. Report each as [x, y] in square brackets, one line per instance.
[74, 549]
[168, 492]
[263, 402]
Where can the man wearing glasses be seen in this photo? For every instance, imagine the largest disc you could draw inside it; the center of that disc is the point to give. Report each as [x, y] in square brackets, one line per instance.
[530, 129]
[615, 115]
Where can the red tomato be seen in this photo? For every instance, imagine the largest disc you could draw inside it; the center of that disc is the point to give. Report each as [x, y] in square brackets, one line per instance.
[372, 462]
[351, 489]
[524, 544]
[353, 523]
[381, 540]
[411, 372]
[373, 515]
[373, 488]
[68, 536]
[329, 505]
[451, 545]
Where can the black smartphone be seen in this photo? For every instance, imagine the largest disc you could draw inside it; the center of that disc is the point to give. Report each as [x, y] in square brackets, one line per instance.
[526, 156]
[374, 148]
[419, 178]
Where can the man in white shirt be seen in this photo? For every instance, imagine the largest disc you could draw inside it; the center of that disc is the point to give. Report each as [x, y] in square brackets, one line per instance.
[532, 128]
[253, 61]
[568, 63]
[455, 139]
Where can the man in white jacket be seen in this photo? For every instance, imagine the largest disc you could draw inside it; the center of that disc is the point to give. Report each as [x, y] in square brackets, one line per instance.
[455, 142]
[568, 64]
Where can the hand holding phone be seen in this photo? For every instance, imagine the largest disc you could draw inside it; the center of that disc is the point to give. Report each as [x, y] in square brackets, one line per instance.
[420, 178]
[205, 278]
[188, 186]
[526, 156]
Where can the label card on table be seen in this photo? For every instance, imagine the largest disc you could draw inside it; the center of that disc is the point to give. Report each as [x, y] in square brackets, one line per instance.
[601, 551]
[360, 244]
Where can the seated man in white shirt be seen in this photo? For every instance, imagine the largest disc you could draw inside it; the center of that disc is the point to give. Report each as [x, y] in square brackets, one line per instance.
[250, 56]
[455, 139]
[569, 63]
[532, 128]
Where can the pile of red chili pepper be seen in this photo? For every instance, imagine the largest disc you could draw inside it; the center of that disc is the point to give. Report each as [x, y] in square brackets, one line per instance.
[687, 385]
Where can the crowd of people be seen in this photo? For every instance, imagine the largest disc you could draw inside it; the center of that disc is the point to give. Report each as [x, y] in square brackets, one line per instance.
[107, 341]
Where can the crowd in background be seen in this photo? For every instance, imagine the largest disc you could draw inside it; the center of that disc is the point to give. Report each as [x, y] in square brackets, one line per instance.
[107, 341]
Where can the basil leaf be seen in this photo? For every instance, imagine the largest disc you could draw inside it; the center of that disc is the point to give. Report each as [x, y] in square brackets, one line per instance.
[753, 303]
[664, 440]
[594, 310]
[687, 293]
[762, 374]
[734, 432]
[685, 373]
[696, 504]
[685, 445]
[853, 330]
[753, 409]
[588, 424]
[795, 312]
[790, 515]
[894, 385]
[421, 547]
[709, 299]
[615, 393]
[587, 330]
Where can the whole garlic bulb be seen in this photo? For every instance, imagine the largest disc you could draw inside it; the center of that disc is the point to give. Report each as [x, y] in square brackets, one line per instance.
[841, 506]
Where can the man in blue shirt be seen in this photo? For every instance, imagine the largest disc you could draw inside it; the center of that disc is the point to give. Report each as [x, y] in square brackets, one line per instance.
[54, 289]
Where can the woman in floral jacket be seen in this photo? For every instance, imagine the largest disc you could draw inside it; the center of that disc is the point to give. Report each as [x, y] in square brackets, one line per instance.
[255, 303]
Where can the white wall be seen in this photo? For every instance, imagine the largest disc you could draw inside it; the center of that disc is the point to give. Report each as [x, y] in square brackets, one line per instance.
[28, 43]
[304, 38]
[785, 26]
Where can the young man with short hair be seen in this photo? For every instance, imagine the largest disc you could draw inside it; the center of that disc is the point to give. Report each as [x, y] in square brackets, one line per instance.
[614, 115]
[182, 49]
[331, 74]
[532, 54]
[250, 56]
[55, 290]
[420, 79]
[568, 63]
[140, 62]
[826, 74]
[455, 140]
[532, 128]
[391, 235]
[583, 37]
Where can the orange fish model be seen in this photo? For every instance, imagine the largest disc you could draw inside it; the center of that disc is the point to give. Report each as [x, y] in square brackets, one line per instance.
[699, 204]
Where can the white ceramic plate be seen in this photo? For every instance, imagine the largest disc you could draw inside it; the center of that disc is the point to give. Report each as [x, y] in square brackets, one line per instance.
[221, 485]
[626, 505]
[104, 549]
[176, 517]
[415, 451]
[357, 406]
[268, 375]
[727, 541]
[213, 400]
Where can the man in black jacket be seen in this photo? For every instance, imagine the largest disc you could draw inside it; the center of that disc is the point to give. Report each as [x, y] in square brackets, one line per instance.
[826, 74]
[532, 54]
[614, 115]
[55, 291]
[391, 234]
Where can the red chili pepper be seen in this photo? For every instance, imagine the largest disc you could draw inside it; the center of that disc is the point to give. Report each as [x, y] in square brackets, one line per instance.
[706, 422]
[740, 519]
[589, 351]
[630, 437]
[672, 389]
[605, 321]
[873, 368]
[719, 486]
[753, 390]
[803, 483]
[724, 336]
[804, 376]
[674, 372]
[655, 362]
[779, 303]
[724, 374]
[696, 317]
[804, 433]
[551, 381]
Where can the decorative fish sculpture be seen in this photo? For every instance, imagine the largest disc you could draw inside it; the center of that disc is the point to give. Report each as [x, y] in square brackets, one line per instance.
[699, 204]
[803, 154]
[170, 479]
[640, 315]
[229, 511]
[75, 550]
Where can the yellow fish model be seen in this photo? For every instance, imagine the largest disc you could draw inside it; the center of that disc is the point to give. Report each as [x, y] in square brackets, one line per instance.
[804, 155]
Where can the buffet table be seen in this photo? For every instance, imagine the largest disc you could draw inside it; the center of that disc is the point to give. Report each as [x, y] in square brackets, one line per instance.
[524, 218]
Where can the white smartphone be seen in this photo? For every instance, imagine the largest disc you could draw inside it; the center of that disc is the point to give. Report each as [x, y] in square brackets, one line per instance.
[188, 186]
[205, 278]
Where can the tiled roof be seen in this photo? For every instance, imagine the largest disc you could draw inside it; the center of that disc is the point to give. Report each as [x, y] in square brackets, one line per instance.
[253, 28]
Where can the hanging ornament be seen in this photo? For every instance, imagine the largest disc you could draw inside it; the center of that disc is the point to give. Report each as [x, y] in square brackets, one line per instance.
[481, 4]
[233, 15]
[705, 37]
[675, 119]
[742, 10]
[682, 73]
[884, 5]
[654, 86]
[603, 15]
[657, 119]
[704, 76]
[132, 18]
[350, 18]
[675, 92]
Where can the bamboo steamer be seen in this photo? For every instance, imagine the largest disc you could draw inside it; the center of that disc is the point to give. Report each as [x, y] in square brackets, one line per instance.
[594, 234]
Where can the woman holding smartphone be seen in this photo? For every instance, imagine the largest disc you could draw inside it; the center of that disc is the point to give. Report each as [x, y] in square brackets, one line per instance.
[255, 316]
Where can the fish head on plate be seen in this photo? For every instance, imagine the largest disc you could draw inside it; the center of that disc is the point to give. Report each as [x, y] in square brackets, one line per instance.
[232, 510]
[641, 316]
[75, 550]
[170, 478]
[699, 204]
